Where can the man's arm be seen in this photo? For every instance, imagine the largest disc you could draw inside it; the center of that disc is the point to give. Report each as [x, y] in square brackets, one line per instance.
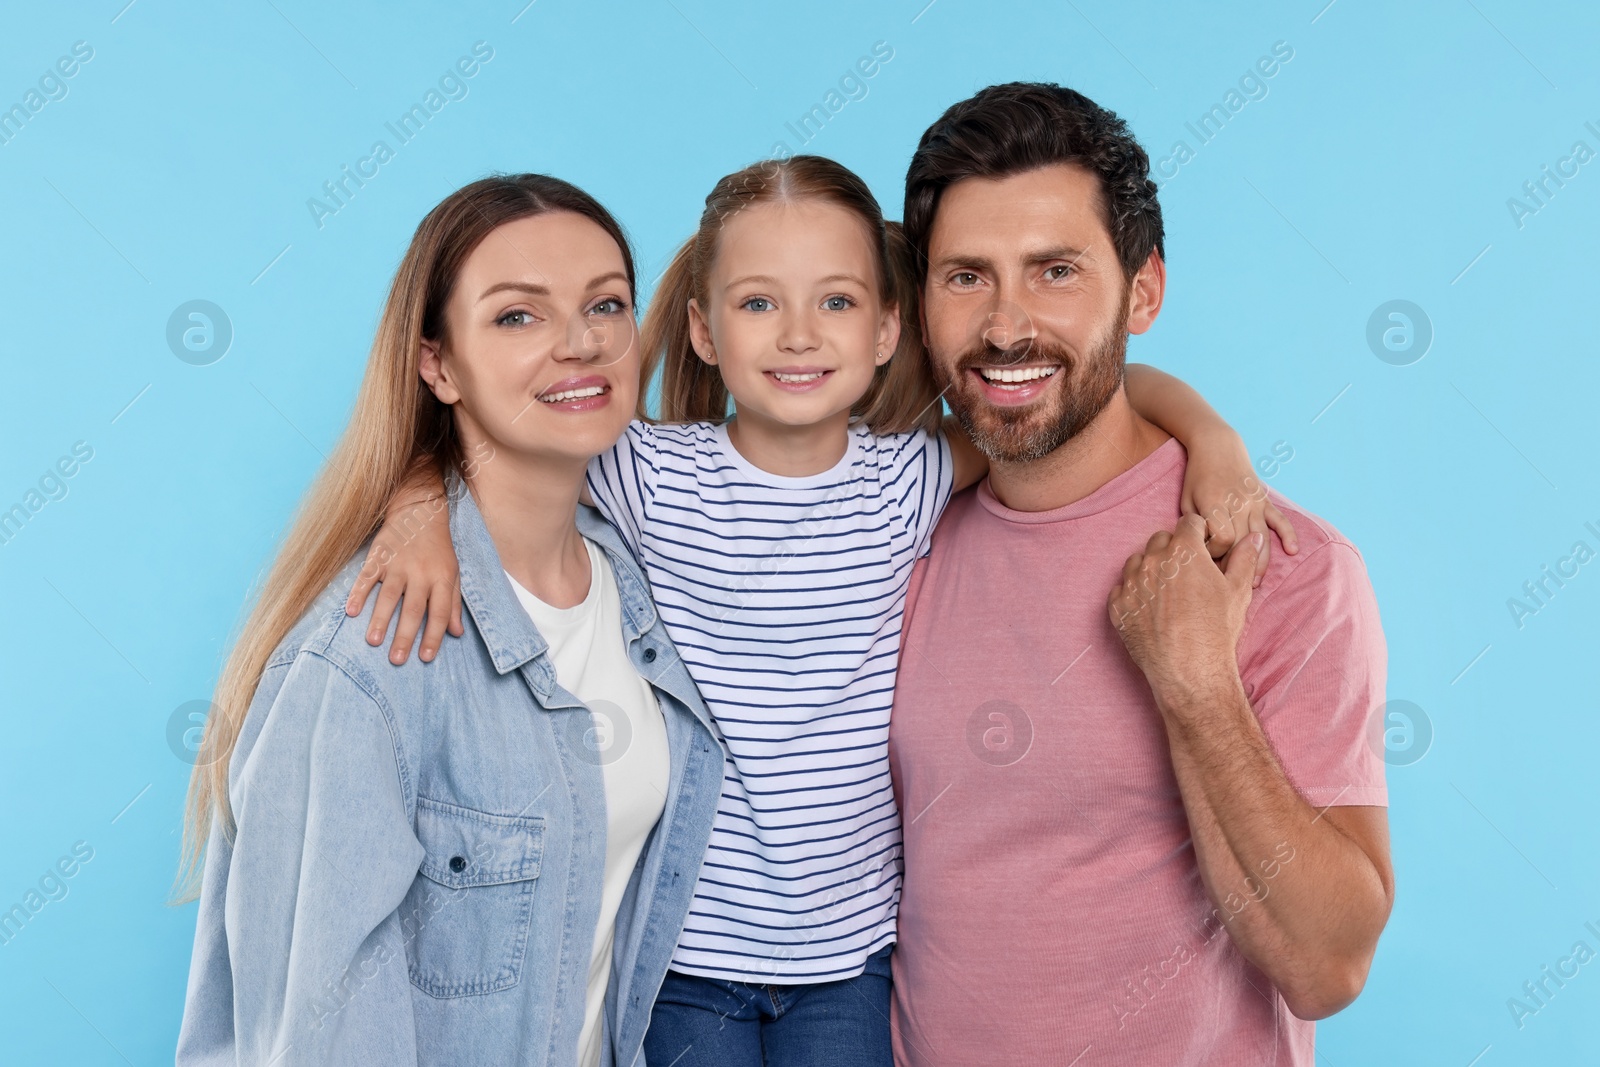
[1304, 893]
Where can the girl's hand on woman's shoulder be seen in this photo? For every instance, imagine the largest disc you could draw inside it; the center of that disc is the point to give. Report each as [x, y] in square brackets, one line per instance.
[414, 559]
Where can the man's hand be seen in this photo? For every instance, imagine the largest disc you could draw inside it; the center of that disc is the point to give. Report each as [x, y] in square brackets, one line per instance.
[1180, 616]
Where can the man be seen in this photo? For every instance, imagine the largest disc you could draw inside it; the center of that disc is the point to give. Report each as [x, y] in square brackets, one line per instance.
[1149, 830]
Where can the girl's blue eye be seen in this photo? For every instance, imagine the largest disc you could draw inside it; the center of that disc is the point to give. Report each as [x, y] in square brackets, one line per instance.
[838, 303]
[751, 304]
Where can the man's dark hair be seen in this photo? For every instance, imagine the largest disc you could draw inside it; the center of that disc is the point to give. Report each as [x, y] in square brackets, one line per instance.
[1016, 127]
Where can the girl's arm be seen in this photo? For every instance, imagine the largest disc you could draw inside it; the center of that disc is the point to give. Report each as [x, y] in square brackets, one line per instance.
[1220, 484]
[414, 559]
[970, 464]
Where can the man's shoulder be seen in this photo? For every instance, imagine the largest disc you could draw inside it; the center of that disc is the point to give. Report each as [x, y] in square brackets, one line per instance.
[1327, 568]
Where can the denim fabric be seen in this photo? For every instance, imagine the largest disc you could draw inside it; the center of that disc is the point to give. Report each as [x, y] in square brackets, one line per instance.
[416, 873]
[710, 1022]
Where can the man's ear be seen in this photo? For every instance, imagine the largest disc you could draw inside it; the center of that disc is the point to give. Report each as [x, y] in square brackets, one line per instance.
[436, 374]
[700, 334]
[1149, 290]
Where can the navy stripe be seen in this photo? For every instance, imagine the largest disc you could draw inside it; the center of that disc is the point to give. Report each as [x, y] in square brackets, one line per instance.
[784, 598]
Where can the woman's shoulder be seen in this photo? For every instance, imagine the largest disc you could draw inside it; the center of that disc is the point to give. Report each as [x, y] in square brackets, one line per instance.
[324, 630]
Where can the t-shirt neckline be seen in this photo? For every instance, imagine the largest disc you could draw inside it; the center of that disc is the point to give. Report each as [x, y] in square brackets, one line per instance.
[549, 614]
[804, 481]
[1125, 486]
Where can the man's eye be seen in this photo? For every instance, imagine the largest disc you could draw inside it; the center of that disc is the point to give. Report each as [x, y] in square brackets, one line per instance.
[965, 277]
[838, 303]
[757, 303]
[1059, 271]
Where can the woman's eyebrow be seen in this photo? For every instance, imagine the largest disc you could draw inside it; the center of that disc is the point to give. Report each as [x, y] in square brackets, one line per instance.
[534, 289]
[520, 287]
[608, 276]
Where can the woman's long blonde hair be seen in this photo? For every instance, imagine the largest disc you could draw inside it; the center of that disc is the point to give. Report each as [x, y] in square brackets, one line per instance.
[397, 426]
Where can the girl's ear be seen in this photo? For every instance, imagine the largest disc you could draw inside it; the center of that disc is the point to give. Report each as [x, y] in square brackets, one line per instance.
[433, 371]
[700, 333]
[888, 333]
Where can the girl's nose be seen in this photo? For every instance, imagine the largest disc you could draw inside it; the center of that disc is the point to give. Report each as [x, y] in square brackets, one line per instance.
[798, 334]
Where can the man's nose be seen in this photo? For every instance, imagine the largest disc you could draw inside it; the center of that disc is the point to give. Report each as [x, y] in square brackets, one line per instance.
[1005, 323]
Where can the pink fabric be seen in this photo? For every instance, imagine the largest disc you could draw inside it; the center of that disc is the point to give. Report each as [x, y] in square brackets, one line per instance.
[1052, 911]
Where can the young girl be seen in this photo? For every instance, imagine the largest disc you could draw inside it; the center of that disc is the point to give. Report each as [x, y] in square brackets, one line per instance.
[779, 544]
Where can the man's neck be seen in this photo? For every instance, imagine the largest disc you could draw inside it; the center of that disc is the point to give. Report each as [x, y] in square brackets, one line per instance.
[1115, 442]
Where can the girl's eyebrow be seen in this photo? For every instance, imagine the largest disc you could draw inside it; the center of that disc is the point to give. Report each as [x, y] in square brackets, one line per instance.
[765, 279]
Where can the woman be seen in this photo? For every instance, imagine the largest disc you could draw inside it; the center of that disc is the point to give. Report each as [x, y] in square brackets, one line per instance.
[485, 858]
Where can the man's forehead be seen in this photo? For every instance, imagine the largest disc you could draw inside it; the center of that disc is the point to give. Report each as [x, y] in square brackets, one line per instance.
[1052, 203]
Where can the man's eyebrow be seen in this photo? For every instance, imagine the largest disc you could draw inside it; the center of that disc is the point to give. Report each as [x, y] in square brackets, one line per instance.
[1047, 255]
[959, 259]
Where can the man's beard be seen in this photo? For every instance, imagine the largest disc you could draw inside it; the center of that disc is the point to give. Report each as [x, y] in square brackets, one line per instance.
[1033, 431]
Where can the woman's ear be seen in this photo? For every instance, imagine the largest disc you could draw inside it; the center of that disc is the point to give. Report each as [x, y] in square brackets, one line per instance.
[435, 374]
[888, 334]
[700, 334]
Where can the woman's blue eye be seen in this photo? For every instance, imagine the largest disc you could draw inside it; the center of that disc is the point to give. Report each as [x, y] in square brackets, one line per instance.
[514, 318]
[838, 303]
[754, 301]
[609, 306]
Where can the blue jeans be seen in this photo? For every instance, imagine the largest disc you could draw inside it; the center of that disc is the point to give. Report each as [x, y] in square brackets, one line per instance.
[709, 1022]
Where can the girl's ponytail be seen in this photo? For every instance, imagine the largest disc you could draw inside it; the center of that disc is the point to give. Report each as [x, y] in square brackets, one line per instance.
[903, 395]
[691, 389]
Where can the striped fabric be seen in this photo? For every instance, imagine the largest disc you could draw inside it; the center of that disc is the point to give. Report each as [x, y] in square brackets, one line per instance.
[784, 597]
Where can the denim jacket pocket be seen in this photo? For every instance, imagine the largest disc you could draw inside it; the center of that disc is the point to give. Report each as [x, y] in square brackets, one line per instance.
[465, 919]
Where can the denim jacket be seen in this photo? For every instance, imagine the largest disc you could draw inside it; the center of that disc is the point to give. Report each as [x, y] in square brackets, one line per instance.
[416, 872]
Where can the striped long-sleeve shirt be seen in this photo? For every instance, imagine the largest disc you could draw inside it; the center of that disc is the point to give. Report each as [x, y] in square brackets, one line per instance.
[784, 598]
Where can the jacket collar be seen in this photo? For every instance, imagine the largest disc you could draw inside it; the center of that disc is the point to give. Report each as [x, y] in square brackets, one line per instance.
[509, 634]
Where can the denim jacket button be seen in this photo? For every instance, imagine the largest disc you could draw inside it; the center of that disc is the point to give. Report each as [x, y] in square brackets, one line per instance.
[458, 863]
[649, 655]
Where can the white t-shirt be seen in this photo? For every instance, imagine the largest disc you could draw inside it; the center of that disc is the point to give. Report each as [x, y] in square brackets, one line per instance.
[629, 742]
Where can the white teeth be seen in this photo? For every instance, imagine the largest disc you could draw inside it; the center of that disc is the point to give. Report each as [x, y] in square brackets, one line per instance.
[791, 379]
[573, 394]
[1017, 374]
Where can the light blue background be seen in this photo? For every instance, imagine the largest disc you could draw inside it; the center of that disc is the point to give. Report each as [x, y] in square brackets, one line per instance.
[1378, 167]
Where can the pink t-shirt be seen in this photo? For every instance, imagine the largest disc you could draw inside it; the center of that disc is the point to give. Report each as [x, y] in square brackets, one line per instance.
[1052, 910]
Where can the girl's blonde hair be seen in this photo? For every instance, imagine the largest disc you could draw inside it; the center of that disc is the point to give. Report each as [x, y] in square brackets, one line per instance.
[902, 395]
[398, 425]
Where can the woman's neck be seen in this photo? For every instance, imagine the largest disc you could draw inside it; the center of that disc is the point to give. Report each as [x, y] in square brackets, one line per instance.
[530, 506]
[791, 451]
